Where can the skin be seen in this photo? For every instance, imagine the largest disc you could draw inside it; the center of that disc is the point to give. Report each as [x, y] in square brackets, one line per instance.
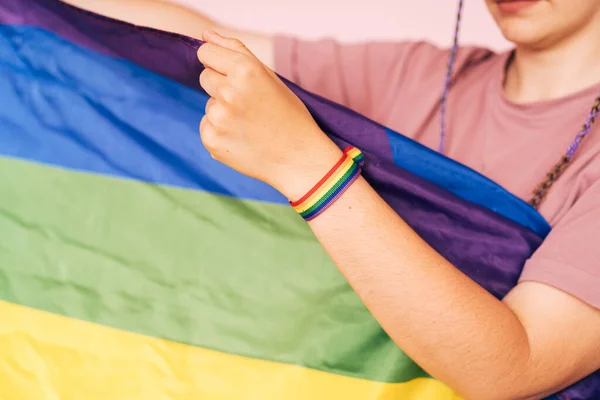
[523, 347]
[557, 51]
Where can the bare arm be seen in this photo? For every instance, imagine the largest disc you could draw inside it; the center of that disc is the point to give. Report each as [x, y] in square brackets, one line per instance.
[535, 342]
[525, 347]
[175, 18]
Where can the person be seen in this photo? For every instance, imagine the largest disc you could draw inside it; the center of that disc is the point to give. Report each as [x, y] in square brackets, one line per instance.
[512, 116]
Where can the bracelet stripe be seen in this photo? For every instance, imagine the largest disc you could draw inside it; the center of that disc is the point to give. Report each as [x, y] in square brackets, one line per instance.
[323, 189]
[331, 186]
[333, 196]
[332, 190]
[356, 155]
[322, 182]
[325, 184]
[332, 200]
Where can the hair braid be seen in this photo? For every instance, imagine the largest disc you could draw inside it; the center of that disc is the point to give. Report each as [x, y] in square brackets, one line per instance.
[541, 191]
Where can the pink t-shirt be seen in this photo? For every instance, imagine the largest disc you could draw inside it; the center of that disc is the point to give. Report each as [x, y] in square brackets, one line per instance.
[400, 85]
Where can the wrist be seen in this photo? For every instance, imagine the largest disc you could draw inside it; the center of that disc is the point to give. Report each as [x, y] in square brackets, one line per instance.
[331, 186]
[308, 170]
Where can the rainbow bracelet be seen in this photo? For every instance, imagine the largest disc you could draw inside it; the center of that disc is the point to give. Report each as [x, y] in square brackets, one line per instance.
[332, 186]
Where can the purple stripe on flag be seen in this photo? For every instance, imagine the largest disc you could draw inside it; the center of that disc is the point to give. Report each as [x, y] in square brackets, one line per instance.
[164, 53]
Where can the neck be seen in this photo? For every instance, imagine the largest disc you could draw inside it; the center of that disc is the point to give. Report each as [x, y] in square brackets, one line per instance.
[544, 73]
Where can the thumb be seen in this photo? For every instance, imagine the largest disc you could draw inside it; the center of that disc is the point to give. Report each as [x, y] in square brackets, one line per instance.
[236, 45]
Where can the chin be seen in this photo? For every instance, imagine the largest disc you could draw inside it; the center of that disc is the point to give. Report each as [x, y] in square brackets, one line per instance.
[543, 23]
[525, 33]
[534, 28]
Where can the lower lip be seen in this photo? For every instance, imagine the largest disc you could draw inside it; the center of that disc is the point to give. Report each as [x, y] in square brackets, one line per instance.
[513, 7]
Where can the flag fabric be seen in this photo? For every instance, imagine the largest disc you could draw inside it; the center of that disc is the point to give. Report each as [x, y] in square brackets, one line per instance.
[134, 266]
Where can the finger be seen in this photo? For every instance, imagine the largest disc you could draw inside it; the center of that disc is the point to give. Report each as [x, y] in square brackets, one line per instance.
[209, 136]
[205, 132]
[209, 104]
[203, 123]
[212, 82]
[220, 58]
[220, 117]
[234, 44]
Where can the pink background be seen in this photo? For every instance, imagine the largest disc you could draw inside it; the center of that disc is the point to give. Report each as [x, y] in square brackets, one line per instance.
[358, 20]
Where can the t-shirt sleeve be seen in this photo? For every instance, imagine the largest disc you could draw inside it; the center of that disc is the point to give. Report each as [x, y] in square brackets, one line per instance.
[360, 76]
[569, 258]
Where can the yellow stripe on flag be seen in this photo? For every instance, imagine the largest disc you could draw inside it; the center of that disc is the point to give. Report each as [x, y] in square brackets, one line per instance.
[47, 356]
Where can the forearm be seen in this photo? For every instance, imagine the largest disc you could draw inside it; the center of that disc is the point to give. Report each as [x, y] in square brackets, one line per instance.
[447, 323]
[175, 18]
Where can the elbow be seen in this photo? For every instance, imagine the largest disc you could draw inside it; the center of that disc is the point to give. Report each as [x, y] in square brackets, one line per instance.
[514, 378]
[492, 392]
[501, 388]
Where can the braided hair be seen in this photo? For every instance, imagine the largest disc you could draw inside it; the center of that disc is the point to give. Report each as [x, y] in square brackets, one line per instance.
[541, 190]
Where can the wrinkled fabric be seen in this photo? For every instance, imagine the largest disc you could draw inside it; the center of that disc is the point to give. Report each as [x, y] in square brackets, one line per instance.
[490, 246]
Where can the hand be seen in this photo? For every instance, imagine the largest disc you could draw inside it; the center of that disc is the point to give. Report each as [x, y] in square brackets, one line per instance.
[255, 124]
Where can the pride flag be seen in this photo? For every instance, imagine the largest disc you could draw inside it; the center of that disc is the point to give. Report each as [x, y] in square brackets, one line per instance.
[134, 266]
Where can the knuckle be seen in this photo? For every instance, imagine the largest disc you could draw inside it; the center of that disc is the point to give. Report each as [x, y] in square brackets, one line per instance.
[205, 48]
[200, 52]
[247, 68]
[218, 115]
[209, 137]
[203, 76]
[204, 51]
[228, 94]
[238, 43]
[209, 104]
[204, 127]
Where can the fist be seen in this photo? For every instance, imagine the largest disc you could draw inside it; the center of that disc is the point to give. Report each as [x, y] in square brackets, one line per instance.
[255, 124]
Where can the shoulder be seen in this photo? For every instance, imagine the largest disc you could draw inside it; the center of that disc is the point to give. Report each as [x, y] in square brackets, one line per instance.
[424, 65]
[423, 57]
[418, 79]
[369, 76]
[428, 58]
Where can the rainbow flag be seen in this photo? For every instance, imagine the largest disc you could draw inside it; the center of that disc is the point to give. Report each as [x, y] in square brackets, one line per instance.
[134, 266]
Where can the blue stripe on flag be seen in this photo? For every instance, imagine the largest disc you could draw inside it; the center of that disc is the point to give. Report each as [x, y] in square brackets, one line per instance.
[69, 106]
[463, 182]
[82, 110]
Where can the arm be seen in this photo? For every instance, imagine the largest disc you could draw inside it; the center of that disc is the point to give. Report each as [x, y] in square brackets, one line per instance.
[175, 18]
[523, 347]
[520, 348]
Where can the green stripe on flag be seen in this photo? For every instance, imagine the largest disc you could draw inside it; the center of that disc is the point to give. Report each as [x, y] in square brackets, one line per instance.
[237, 276]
